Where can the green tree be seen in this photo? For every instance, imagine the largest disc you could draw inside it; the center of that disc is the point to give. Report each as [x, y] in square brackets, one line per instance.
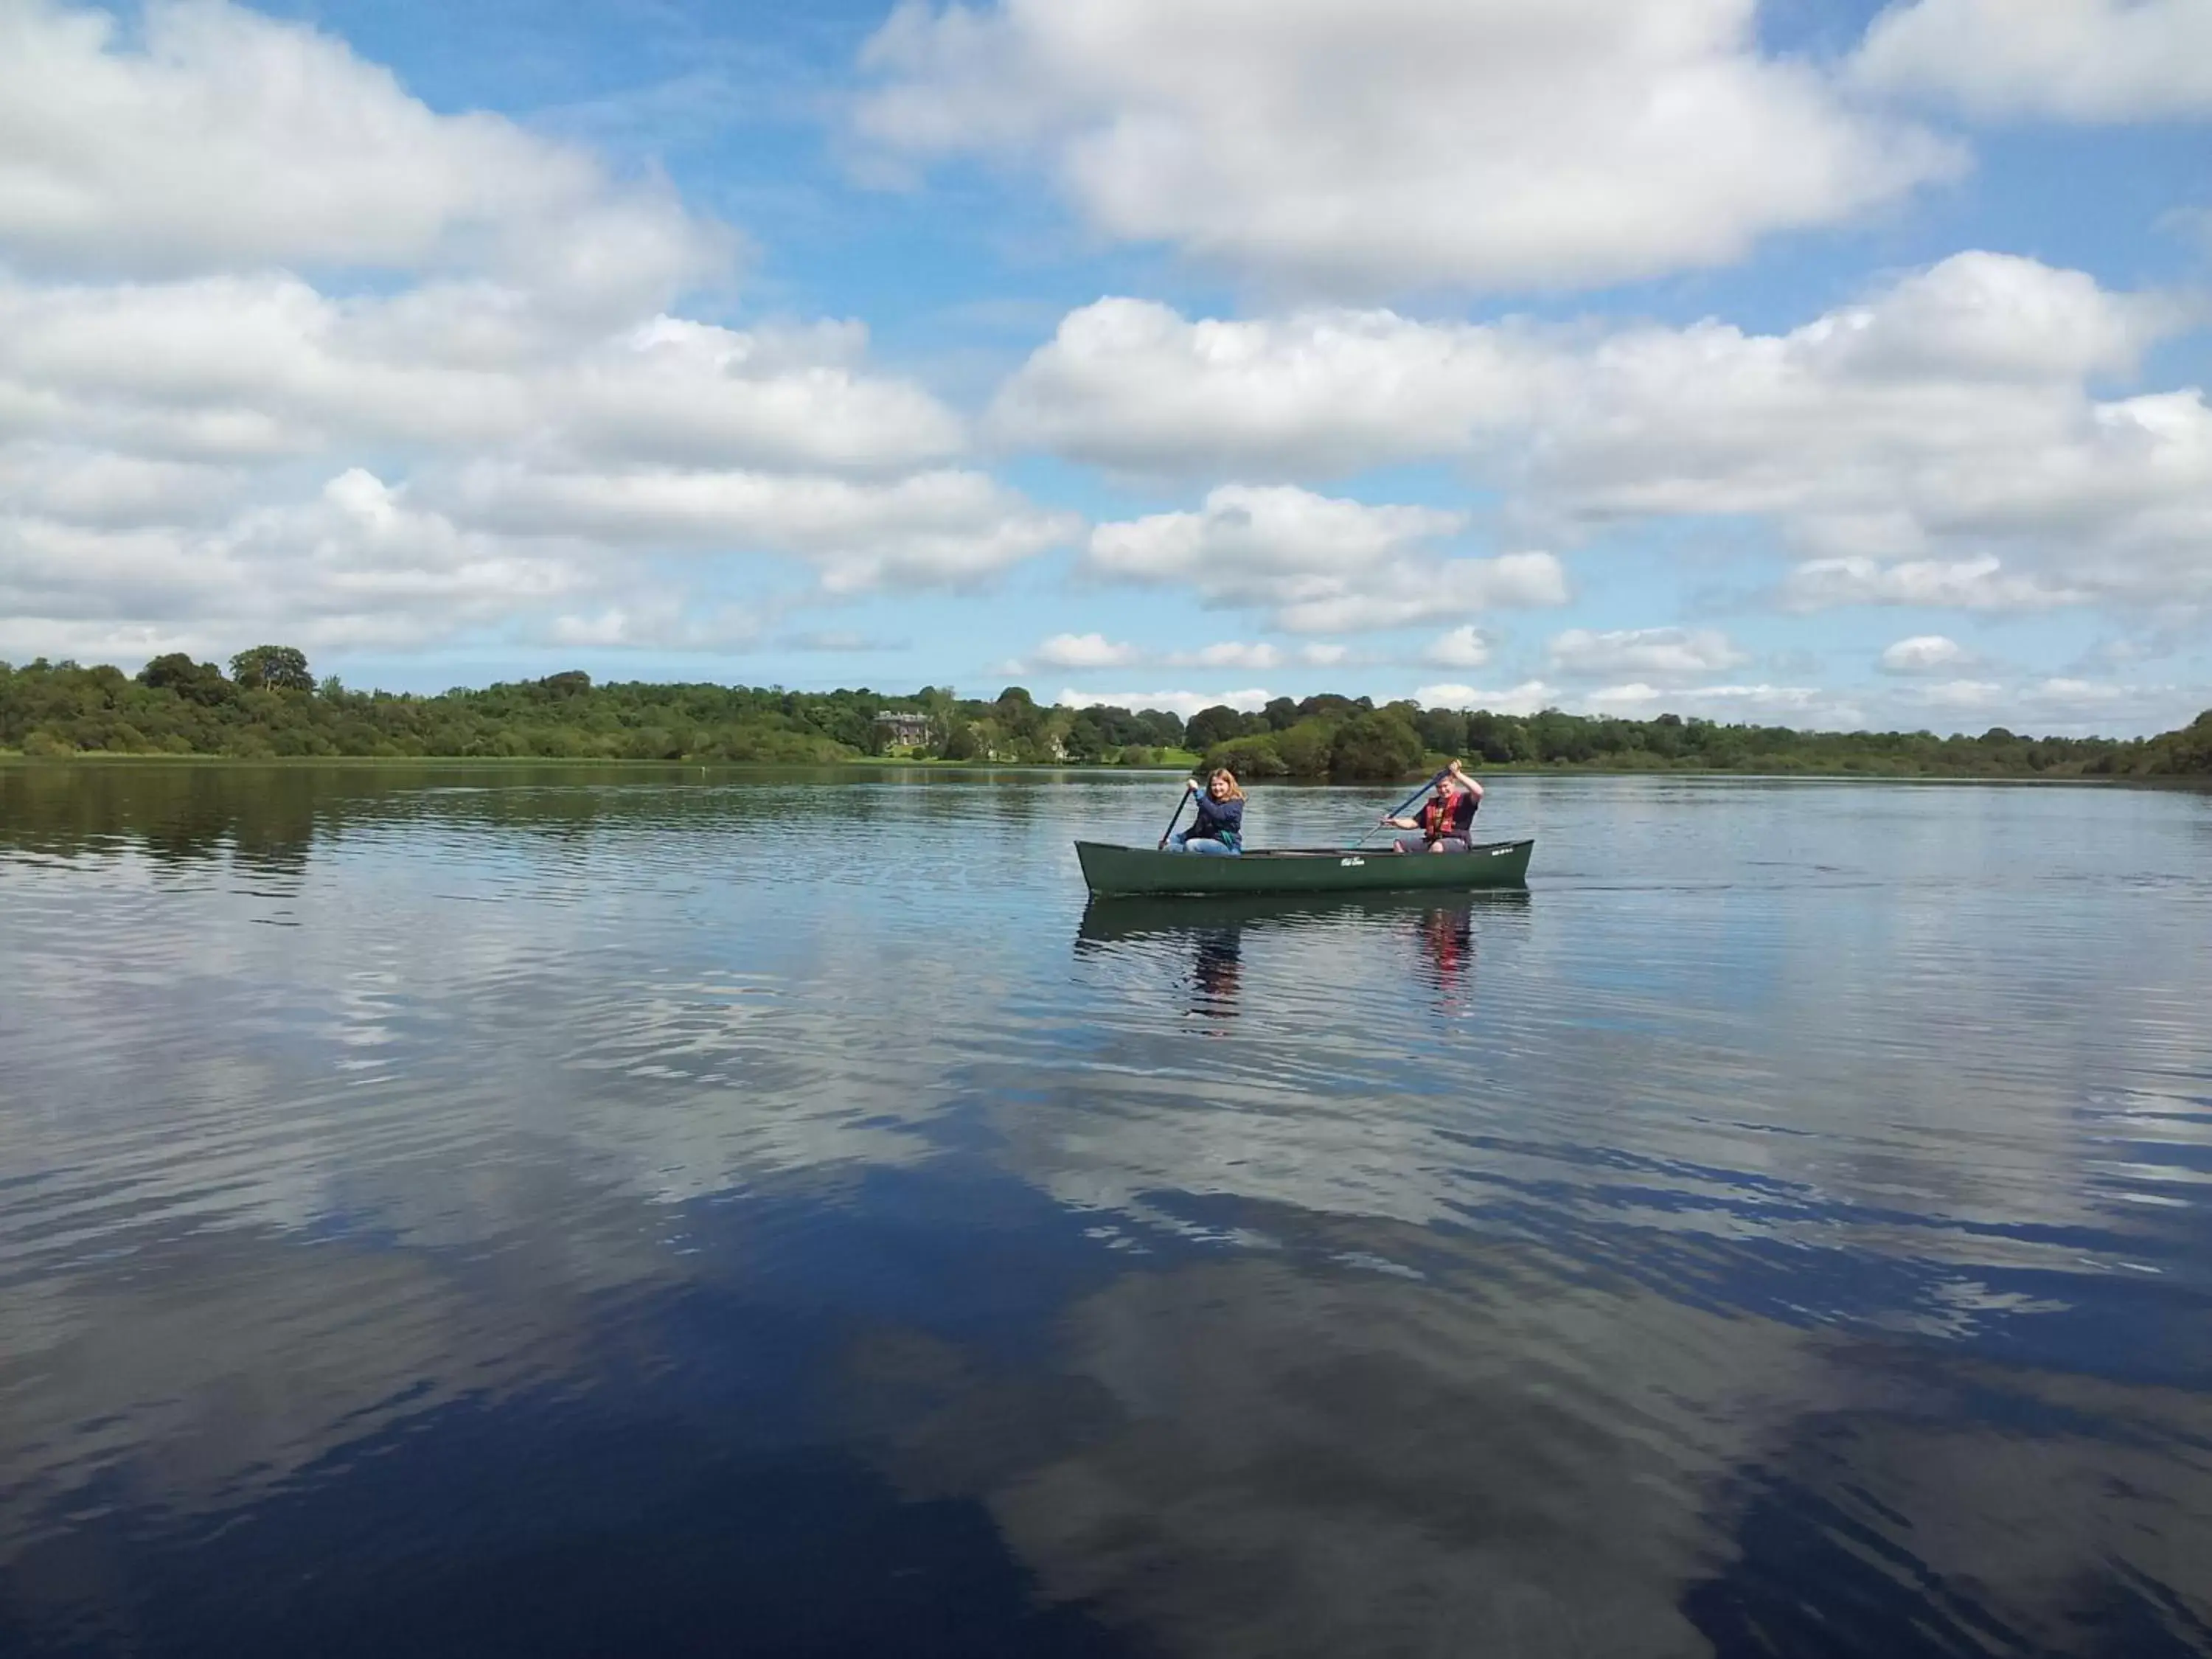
[1163, 726]
[276, 667]
[1254, 757]
[201, 682]
[1376, 744]
[1307, 747]
[1212, 726]
[1444, 730]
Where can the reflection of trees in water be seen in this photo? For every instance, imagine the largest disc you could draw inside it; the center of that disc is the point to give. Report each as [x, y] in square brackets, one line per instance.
[270, 819]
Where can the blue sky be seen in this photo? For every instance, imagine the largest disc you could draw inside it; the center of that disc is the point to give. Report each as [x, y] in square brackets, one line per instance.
[1823, 364]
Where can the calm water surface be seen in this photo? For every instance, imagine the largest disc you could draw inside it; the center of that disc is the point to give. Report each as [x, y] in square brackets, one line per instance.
[572, 1213]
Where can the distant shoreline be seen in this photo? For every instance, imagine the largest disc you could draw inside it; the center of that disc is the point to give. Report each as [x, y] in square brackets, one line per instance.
[103, 760]
[269, 707]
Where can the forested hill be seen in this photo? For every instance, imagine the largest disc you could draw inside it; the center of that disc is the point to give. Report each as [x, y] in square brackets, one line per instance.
[268, 705]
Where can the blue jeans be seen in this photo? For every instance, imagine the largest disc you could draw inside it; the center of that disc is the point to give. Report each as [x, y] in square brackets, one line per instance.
[1183, 841]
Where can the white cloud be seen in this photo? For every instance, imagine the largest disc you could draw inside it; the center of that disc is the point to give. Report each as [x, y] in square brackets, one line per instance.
[360, 563]
[224, 138]
[1665, 654]
[1935, 444]
[2060, 705]
[1403, 144]
[1464, 646]
[1131, 385]
[110, 491]
[1925, 653]
[1957, 696]
[1085, 651]
[1801, 706]
[1185, 703]
[1232, 653]
[1096, 650]
[247, 367]
[1319, 564]
[1805, 706]
[1529, 697]
[500, 431]
[2081, 60]
[929, 529]
[659, 622]
[1959, 584]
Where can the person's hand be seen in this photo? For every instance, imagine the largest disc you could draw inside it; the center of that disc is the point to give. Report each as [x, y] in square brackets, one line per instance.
[1454, 769]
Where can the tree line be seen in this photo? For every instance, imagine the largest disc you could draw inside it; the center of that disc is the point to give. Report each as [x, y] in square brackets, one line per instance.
[269, 704]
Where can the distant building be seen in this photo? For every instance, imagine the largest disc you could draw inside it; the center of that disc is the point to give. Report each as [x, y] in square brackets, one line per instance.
[903, 728]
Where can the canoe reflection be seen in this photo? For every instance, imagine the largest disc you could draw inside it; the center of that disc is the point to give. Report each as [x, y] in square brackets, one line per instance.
[1437, 934]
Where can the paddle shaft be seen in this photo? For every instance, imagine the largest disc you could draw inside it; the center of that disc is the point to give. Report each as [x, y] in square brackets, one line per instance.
[1404, 804]
[1181, 801]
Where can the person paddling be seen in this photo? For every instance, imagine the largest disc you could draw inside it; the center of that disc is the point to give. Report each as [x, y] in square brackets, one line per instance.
[1446, 820]
[1219, 828]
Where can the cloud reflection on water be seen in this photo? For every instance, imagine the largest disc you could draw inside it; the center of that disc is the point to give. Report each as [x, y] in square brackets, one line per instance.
[1294, 1278]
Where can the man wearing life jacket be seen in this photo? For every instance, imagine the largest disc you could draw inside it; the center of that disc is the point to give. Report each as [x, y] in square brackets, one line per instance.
[1446, 819]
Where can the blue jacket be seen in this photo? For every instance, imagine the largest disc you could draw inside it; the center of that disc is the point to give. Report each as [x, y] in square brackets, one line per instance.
[1220, 820]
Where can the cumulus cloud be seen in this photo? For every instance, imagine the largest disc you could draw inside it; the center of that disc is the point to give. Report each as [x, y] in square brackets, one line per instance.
[1925, 653]
[1805, 707]
[2055, 705]
[660, 622]
[2080, 60]
[1465, 647]
[1515, 144]
[929, 529]
[1085, 651]
[1795, 705]
[507, 430]
[221, 139]
[1320, 564]
[359, 562]
[262, 367]
[1132, 386]
[1096, 650]
[1529, 697]
[1665, 654]
[1982, 584]
[1937, 443]
[1185, 703]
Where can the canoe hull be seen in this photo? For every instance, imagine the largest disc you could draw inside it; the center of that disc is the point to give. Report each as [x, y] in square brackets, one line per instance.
[1127, 870]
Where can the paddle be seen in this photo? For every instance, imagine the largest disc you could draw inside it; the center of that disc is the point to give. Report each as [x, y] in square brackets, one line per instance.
[1401, 807]
[1181, 800]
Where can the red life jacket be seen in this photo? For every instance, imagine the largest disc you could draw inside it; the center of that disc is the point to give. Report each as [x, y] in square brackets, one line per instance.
[1449, 814]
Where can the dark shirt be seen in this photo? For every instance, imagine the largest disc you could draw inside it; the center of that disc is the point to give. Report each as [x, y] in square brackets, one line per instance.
[1220, 820]
[1449, 814]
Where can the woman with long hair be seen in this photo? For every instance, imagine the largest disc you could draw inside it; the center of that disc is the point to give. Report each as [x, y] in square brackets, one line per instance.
[1219, 828]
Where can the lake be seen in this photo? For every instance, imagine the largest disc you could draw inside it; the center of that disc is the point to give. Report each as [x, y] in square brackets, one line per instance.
[555, 1211]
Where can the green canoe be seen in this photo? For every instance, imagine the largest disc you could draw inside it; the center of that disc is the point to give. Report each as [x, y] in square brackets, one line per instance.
[1304, 870]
